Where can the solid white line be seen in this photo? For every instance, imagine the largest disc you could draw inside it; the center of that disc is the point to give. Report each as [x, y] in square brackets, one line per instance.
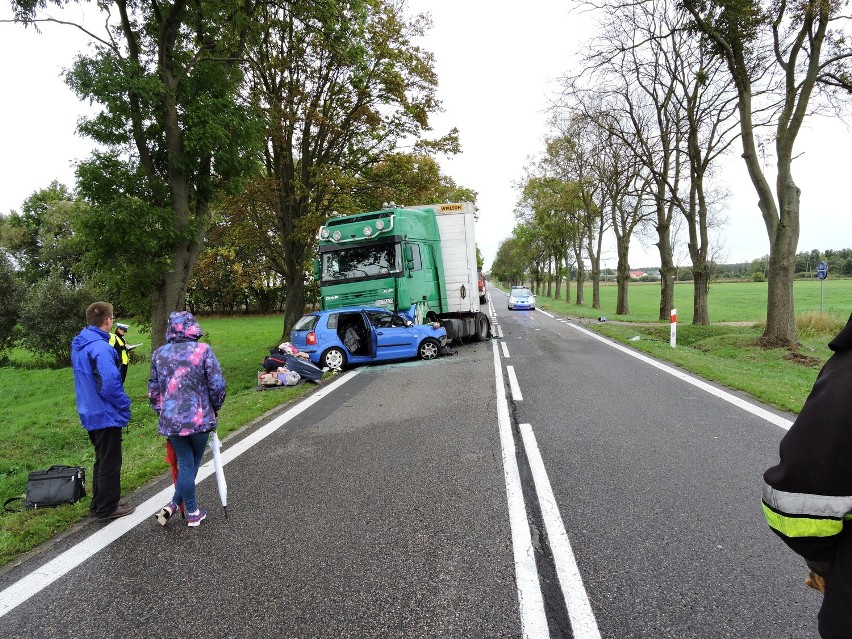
[505, 349]
[583, 622]
[42, 577]
[733, 399]
[545, 312]
[513, 384]
[530, 600]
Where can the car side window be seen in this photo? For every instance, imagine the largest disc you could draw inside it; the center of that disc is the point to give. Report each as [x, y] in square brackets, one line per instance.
[380, 320]
[332, 321]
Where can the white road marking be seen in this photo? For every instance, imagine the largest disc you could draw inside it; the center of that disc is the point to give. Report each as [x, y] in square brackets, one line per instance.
[42, 577]
[545, 312]
[499, 332]
[530, 600]
[513, 384]
[505, 349]
[733, 399]
[583, 622]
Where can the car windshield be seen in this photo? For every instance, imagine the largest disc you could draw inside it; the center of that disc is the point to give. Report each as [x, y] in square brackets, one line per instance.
[361, 261]
[307, 323]
[521, 292]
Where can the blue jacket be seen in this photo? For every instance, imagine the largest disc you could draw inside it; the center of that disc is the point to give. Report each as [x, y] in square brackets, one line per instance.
[101, 400]
[186, 387]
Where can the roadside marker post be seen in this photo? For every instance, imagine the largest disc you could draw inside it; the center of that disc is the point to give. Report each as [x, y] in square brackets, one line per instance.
[673, 330]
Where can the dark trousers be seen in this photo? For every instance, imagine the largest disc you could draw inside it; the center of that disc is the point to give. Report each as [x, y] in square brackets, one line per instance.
[106, 474]
[835, 615]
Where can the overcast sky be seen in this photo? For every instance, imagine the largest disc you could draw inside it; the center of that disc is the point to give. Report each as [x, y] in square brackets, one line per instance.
[497, 71]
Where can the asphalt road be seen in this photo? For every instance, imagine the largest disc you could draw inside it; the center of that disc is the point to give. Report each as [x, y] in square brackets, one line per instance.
[384, 507]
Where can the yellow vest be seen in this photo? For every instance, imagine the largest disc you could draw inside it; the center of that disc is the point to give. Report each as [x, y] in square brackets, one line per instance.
[120, 344]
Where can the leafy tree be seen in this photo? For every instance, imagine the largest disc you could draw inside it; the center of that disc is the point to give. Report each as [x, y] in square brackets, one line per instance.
[233, 271]
[166, 77]
[408, 179]
[41, 237]
[53, 312]
[11, 297]
[338, 83]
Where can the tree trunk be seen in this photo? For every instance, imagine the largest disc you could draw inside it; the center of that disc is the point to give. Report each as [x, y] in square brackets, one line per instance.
[622, 307]
[668, 272]
[558, 278]
[780, 311]
[581, 278]
[169, 293]
[701, 289]
[549, 277]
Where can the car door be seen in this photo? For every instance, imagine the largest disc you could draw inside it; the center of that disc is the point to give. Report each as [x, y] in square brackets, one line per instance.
[394, 340]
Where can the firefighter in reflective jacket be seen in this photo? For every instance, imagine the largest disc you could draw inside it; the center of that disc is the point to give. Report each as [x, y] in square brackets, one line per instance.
[119, 342]
[807, 496]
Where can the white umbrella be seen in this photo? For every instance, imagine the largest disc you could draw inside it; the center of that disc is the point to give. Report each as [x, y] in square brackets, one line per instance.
[216, 446]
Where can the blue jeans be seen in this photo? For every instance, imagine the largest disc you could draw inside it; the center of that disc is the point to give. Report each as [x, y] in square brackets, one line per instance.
[189, 450]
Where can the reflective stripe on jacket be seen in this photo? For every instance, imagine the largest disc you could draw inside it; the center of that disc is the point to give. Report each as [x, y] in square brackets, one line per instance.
[807, 497]
[801, 515]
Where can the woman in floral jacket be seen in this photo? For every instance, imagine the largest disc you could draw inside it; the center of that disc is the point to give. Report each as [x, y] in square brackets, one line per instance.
[187, 390]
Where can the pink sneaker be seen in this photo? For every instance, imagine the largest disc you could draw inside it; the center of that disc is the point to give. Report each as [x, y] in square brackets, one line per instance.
[194, 519]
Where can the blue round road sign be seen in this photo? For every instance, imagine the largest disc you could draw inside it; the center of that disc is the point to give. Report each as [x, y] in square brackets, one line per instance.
[822, 270]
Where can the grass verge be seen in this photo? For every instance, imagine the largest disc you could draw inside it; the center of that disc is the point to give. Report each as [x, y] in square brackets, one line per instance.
[39, 425]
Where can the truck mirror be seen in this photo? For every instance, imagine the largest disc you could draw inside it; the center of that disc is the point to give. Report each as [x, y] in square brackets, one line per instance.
[317, 270]
[409, 256]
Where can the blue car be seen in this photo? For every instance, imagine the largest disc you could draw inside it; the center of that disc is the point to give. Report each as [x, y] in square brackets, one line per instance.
[347, 336]
[521, 297]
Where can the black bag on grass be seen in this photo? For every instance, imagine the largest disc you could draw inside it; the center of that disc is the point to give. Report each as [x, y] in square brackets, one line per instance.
[53, 487]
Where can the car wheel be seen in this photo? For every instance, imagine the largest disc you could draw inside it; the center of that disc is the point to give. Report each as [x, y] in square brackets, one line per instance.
[429, 348]
[481, 328]
[334, 358]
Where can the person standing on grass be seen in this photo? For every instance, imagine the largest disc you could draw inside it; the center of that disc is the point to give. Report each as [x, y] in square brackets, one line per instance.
[118, 340]
[103, 406]
[807, 496]
[186, 389]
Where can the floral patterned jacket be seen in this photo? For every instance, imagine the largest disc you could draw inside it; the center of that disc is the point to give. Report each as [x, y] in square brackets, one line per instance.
[186, 386]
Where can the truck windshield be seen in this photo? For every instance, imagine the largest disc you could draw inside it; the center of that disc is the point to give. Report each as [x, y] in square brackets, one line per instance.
[360, 262]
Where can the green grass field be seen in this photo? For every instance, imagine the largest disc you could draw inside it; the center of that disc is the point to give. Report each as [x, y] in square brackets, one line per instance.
[724, 353]
[727, 301]
[39, 425]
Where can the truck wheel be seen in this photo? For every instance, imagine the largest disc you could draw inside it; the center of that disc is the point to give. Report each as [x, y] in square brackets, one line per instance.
[334, 358]
[481, 328]
[429, 348]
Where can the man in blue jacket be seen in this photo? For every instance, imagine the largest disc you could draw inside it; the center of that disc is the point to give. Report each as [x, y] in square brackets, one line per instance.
[103, 406]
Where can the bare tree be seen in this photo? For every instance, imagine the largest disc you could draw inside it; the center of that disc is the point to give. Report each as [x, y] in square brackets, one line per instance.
[789, 49]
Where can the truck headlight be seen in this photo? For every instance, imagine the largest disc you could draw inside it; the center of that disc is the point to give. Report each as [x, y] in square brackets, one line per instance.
[368, 231]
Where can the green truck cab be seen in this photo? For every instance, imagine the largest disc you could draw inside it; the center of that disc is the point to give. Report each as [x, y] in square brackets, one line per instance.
[418, 260]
